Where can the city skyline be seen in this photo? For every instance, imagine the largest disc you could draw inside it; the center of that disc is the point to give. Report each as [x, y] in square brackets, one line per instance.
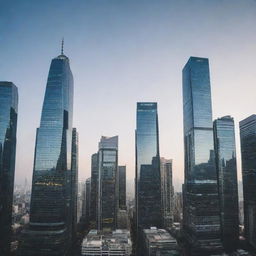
[163, 56]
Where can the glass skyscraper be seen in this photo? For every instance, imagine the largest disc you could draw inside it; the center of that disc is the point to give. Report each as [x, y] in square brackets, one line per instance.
[50, 224]
[225, 150]
[148, 183]
[8, 127]
[248, 153]
[108, 198]
[201, 220]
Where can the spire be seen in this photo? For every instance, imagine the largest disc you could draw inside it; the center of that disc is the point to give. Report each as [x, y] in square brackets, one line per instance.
[62, 45]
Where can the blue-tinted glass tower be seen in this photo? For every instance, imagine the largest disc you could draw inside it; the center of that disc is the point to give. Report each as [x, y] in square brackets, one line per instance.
[248, 153]
[201, 220]
[8, 127]
[50, 225]
[225, 150]
[148, 182]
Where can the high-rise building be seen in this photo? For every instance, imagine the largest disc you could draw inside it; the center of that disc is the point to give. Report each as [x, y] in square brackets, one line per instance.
[248, 153]
[166, 191]
[94, 189]
[8, 127]
[225, 151]
[50, 213]
[148, 183]
[108, 198]
[88, 200]
[122, 186]
[74, 185]
[201, 220]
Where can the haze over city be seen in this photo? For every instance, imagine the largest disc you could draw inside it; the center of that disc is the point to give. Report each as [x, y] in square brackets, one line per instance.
[122, 52]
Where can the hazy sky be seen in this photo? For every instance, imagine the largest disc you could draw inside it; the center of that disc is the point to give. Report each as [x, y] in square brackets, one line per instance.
[121, 52]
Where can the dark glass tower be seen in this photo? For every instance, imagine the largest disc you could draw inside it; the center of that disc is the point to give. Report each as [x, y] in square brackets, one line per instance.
[108, 184]
[201, 220]
[166, 191]
[248, 152]
[50, 225]
[122, 187]
[94, 189]
[225, 150]
[8, 127]
[148, 184]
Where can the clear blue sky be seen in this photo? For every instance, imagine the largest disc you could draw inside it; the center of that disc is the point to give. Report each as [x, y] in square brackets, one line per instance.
[121, 52]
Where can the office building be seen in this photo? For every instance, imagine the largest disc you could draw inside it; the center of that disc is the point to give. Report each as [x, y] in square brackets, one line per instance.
[50, 227]
[94, 189]
[166, 191]
[8, 127]
[248, 153]
[122, 187]
[201, 212]
[225, 151]
[108, 198]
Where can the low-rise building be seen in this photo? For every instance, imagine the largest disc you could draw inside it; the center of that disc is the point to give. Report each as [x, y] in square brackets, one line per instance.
[117, 242]
[159, 242]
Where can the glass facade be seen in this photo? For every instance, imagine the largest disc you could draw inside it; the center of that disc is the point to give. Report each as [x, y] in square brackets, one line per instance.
[50, 214]
[201, 205]
[108, 198]
[148, 184]
[94, 189]
[225, 150]
[166, 191]
[122, 187]
[88, 198]
[8, 127]
[248, 153]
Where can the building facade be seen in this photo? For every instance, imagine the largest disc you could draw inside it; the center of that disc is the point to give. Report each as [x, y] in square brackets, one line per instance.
[122, 186]
[248, 153]
[51, 209]
[94, 189]
[201, 220]
[108, 198]
[225, 150]
[167, 191]
[88, 200]
[147, 180]
[8, 127]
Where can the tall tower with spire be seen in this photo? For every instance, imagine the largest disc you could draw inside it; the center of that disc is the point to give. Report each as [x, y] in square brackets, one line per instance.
[52, 193]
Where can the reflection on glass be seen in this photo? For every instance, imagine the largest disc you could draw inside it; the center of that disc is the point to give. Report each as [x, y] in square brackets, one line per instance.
[51, 217]
[201, 206]
[148, 184]
[8, 127]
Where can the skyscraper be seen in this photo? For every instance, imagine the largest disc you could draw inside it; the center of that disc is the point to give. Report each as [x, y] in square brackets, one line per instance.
[201, 220]
[8, 127]
[50, 213]
[225, 150]
[74, 183]
[122, 186]
[148, 184]
[88, 200]
[94, 189]
[166, 191]
[248, 153]
[108, 183]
